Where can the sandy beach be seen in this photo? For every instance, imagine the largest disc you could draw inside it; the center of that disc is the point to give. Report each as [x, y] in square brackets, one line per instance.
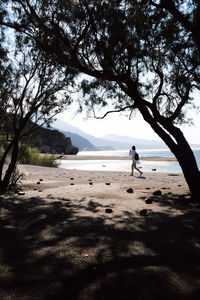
[88, 235]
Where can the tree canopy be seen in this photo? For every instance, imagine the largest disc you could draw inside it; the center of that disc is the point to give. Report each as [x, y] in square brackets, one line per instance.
[140, 55]
[32, 92]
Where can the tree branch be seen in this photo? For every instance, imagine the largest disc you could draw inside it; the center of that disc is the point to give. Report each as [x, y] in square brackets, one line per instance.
[114, 111]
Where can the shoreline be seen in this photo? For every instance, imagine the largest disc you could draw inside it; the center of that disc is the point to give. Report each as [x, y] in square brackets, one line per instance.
[101, 157]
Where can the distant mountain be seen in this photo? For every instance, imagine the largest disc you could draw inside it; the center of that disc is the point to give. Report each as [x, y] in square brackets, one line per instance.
[53, 141]
[139, 143]
[64, 126]
[108, 142]
[98, 143]
[46, 140]
[79, 141]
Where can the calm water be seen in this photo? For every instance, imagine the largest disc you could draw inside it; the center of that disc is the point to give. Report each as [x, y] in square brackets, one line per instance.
[124, 165]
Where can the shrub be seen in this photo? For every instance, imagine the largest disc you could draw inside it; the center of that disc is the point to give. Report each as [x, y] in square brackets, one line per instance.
[28, 155]
[16, 178]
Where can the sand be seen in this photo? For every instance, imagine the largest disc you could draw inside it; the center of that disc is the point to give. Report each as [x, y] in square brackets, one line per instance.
[59, 242]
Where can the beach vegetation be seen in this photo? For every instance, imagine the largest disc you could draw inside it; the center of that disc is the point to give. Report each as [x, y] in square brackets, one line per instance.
[139, 56]
[32, 156]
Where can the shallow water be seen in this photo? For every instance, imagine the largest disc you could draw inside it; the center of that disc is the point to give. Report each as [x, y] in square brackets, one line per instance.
[125, 165]
[120, 165]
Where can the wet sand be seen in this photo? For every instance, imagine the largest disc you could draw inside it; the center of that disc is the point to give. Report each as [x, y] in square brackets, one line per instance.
[101, 157]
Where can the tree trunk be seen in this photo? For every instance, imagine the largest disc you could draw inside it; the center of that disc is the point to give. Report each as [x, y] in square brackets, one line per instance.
[188, 164]
[3, 158]
[175, 140]
[190, 170]
[4, 185]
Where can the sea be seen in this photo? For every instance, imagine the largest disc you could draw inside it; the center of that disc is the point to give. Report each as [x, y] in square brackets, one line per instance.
[125, 165]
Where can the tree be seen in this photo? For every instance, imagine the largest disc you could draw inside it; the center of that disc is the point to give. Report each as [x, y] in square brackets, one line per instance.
[186, 13]
[136, 53]
[32, 92]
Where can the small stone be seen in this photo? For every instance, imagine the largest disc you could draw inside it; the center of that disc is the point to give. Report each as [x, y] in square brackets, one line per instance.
[130, 190]
[157, 192]
[21, 193]
[107, 183]
[108, 210]
[148, 201]
[153, 169]
[143, 212]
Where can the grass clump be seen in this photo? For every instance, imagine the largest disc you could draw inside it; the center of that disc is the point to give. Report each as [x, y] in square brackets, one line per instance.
[32, 156]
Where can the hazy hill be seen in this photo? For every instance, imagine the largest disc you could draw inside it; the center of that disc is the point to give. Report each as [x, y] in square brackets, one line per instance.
[98, 143]
[46, 140]
[139, 143]
[52, 141]
[108, 142]
[79, 141]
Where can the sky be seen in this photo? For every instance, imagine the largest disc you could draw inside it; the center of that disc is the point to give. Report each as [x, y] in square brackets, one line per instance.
[121, 125]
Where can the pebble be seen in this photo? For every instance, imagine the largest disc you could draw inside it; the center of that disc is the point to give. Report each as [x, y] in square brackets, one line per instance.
[108, 210]
[21, 193]
[148, 201]
[143, 212]
[130, 190]
[157, 192]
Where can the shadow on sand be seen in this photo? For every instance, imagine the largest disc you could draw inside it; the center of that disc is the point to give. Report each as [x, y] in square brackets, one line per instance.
[50, 251]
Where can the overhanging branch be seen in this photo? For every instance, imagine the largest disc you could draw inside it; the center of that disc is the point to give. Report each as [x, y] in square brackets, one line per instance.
[115, 111]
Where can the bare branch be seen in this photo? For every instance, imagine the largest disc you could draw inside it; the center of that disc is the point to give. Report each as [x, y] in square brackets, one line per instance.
[115, 111]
